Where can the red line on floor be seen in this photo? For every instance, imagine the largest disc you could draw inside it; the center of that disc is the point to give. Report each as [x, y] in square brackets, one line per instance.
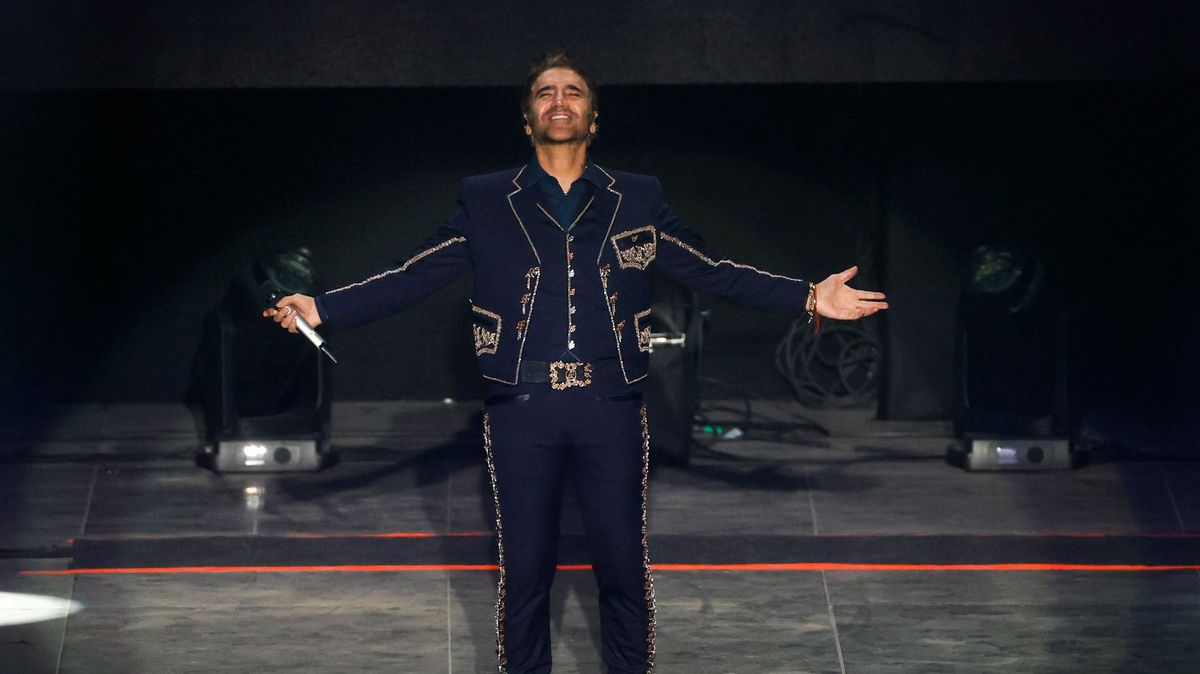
[799, 566]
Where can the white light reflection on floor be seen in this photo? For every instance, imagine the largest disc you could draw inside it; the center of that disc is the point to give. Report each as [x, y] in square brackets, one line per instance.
[19, 609]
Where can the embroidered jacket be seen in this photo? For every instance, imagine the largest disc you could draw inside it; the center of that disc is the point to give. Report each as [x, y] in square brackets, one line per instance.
[489, 231]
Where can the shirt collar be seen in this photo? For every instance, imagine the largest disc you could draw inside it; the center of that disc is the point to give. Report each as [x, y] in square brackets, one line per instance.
[591, 173]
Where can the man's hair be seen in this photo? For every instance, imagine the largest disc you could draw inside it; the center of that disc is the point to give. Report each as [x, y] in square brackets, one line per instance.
[558, 58]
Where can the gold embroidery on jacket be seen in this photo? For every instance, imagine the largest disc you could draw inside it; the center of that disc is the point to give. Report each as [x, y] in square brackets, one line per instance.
[642, 330]
[531, 284]
[404, 267]
[486, 341]
[715, 263]
[604, 270]
[635, 248]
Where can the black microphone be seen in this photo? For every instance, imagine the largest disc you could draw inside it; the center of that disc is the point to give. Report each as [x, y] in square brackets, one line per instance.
[273, 296]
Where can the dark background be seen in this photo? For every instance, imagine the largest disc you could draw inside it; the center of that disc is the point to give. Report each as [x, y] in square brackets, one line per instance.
[152, 150]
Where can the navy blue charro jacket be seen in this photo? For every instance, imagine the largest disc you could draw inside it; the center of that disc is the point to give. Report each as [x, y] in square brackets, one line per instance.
[489, 231]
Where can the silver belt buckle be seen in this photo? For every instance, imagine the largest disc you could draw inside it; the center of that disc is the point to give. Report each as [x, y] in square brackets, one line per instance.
[567, 375]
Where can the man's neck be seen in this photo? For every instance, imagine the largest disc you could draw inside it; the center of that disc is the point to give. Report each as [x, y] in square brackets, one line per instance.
[564, 161]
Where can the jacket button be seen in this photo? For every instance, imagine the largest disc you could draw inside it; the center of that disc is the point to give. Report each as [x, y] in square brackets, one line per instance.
[571, 344]
[570, 273]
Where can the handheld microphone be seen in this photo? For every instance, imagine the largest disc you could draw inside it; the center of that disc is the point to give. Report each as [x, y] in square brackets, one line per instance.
[302, 325]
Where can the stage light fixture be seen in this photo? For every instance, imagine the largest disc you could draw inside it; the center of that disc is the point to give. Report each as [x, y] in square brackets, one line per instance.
[1011, 407]
[265, 394]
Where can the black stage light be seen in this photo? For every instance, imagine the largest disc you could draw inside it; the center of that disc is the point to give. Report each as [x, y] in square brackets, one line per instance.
[671, 392]
[1011, 405]
[264, 393]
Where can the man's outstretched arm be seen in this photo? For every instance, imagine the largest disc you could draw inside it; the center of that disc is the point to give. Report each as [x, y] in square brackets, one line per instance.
[686, 258]
[443, 257]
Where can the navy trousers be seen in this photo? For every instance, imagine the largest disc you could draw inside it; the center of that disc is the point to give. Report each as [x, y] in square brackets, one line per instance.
[533, 442]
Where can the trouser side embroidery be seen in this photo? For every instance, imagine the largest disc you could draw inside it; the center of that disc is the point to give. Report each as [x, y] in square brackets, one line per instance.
[501, 658]
[649, 577]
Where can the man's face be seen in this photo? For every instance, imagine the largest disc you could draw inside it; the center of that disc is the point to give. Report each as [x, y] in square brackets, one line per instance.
[560, 109]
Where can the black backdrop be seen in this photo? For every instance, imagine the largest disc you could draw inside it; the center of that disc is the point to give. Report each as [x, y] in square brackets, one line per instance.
[128, 212]
[139, 174]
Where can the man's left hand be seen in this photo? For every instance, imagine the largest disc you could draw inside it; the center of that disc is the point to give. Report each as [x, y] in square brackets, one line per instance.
[837, 300]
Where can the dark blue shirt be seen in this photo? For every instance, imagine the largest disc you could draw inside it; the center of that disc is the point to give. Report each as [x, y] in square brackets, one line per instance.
[564, 206]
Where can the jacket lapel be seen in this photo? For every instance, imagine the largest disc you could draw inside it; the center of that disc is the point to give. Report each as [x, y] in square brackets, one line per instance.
[524, 203]
[608, 203]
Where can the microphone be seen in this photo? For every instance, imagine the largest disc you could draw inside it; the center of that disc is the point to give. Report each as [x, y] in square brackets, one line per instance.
[273, 296]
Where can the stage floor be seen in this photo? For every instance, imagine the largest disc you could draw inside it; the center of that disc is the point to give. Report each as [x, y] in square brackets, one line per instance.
[861, 551]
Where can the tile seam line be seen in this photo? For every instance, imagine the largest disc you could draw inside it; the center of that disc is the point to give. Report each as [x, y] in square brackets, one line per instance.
[837, 639]
[87, 511]
[1166, 478]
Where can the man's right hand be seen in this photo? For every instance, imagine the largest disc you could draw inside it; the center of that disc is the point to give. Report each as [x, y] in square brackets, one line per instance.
[286, 309]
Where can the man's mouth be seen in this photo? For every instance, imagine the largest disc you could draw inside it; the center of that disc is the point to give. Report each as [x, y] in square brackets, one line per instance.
[559, 116]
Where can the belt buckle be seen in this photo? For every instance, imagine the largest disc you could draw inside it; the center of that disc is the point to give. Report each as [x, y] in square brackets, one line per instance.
[567, 375]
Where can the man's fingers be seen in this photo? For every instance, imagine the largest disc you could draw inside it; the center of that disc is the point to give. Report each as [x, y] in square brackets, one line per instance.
[868, 308]
[849, 273]
[288, 310]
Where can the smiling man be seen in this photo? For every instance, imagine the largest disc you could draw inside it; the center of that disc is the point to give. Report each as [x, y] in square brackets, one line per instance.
[562, 252]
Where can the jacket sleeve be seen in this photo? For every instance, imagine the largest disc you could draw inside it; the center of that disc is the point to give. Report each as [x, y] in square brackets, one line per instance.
[686, 258]
[440, 259]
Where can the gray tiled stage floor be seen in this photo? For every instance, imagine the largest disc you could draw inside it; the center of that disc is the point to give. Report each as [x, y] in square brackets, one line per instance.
[42, 505]
[764, 622]
[930, 496]
[341, 622]
[353, 497]
[1028, 622]
[32, 648]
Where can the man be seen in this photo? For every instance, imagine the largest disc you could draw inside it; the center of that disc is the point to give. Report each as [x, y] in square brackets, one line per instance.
[563, 252]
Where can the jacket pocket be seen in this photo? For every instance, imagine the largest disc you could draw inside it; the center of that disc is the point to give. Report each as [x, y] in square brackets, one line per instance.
[641, 328]
[635, 248]
[486, 326]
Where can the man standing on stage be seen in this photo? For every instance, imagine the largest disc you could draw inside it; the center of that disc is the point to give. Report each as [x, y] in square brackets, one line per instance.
[562, 251]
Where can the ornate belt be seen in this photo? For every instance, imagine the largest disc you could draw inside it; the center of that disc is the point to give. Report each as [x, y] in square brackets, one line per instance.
[563, 375]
